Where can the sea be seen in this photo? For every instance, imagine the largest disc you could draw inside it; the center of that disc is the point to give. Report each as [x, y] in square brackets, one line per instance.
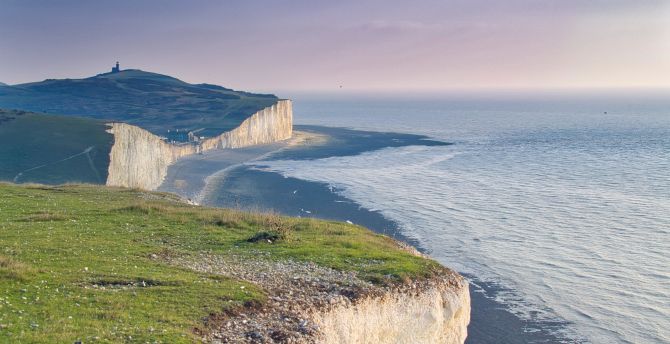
[560, 199]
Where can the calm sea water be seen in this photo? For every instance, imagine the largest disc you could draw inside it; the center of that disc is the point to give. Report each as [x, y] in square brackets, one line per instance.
[566, 206]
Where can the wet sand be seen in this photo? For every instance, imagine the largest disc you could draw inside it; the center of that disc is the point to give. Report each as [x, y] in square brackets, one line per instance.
[189, 176]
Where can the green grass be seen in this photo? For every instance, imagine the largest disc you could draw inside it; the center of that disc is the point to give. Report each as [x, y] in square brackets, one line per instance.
[53, 149]
[60, 245]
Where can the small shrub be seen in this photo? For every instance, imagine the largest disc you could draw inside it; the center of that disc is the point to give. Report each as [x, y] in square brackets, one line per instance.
[278, 224]
[269, 237]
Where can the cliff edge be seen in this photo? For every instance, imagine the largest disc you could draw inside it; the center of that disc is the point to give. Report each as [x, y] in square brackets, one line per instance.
[147, 267]
[313, 303]
[437, 312]
[140, 159]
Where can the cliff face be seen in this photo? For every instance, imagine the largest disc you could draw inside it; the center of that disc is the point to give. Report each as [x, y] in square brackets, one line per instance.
[140, 159]
[437, 314]
[274, 123]
[308, 303]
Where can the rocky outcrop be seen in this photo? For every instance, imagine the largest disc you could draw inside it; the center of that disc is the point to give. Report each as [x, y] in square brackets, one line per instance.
[432, 314]
[140, 159]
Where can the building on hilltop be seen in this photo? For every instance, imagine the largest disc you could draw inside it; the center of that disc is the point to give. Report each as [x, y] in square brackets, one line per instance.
[116, 69]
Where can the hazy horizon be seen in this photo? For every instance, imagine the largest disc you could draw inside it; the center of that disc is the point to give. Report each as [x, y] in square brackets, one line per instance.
[376, 46]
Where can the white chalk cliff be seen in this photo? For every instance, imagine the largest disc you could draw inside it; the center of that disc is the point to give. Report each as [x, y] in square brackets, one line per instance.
[439, 313]
[140, 159]
[435, 312]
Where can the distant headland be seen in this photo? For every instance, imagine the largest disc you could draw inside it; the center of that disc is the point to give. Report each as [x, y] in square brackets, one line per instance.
[156, 102]
[155, 119]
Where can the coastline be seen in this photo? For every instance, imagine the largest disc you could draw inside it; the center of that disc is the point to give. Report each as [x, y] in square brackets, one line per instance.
[244, 184]
[248, 188]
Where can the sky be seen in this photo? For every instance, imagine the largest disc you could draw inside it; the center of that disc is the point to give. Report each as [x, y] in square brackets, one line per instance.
[377, 45]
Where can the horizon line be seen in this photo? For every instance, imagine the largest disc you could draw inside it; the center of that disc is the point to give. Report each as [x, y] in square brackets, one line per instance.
[394, 90]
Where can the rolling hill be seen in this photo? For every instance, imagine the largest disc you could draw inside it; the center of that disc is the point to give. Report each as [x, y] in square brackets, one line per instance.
[156, 102]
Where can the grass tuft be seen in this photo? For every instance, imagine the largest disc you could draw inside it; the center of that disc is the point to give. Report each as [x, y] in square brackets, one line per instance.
[13, 269]
[43, 217]
[145, 208]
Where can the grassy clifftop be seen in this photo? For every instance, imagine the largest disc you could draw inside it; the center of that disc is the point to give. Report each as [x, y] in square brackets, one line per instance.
[97, 264]
[52, 149]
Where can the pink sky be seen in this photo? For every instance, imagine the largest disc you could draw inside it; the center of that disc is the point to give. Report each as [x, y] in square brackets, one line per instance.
[361, 45]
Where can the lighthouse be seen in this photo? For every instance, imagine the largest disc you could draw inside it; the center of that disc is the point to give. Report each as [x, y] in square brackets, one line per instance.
[116, 69]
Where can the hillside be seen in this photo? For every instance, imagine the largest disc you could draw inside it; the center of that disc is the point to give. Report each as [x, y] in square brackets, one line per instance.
[53, 149]
[119, 265]
[156, 102]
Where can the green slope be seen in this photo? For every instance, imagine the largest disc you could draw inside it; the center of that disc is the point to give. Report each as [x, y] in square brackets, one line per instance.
[153, 101]
[52, 149]
[59, 245]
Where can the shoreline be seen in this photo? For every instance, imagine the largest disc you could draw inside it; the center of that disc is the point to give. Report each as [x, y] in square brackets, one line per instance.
[246, 186]
[191, 176]
[299, 138]
[491, 321]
